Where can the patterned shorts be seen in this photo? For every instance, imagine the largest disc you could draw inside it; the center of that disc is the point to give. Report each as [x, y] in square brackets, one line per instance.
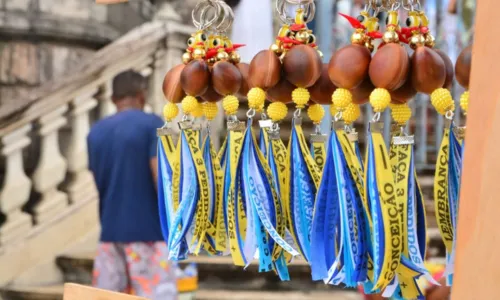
[139, 269]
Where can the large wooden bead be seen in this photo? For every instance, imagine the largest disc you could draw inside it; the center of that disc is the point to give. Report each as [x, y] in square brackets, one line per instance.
[361, 93]
[243, 67]
[404, 94]
[211, 95]
[172, 88]
[389, 67]
[450, 72]
[265, 70]
[321, 92]
[348, 67]
[195, 78]
[302, 66]
[281, 92]
[226, 78]
[463, 67]
[428, 71]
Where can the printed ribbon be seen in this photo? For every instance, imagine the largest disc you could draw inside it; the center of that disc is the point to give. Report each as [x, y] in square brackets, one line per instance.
[216, 213]
[262, 206]
[166, 158]
[413, 222]
[191, 222]
[380, 191]
[302, 182]
[339, 241]
[318, 149]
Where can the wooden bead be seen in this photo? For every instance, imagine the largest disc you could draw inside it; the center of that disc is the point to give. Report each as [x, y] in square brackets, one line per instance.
[405, 93]
[463, 67]
[349, 66]
[389, 67]
[361, 93]
[226, 78]
[321, 92]
[243, 67]
[281, 92]
[428, 71]
[302, 66]
[211, 95]
[265, 70]
[450, 72]
[172, 88]
[195, 78]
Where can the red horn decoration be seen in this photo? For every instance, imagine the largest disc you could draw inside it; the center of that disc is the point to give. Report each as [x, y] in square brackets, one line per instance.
[236, 46]
[355, 23]
[375, 34]
[297, 27]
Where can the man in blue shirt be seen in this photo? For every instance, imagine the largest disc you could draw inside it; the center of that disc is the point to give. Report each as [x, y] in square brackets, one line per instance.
[132, 256]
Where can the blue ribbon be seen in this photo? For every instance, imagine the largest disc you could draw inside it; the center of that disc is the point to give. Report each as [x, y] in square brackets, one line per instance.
[207, 158]
[302, 195]
[164, 190]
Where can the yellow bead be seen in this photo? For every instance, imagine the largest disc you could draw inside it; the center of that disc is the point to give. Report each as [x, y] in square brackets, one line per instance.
[189, 104]
[230, 104]
[300, 96]
[170, 111]
[380, 99]
[277, 111]
[442, 101]
[464, 101]
[401, 113]
[333, 110]
[260, 109]
[198, 111]
[341, 98]
[209, 110]
[256, 97]
[351, 113]
[316, 112]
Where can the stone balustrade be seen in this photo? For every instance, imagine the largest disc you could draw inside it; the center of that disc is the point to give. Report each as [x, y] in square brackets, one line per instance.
[43, 145]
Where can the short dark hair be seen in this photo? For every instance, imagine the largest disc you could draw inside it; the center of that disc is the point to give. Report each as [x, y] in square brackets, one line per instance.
[128, 84]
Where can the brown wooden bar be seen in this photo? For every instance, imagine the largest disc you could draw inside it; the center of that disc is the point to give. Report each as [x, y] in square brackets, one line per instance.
[477, 267]
[81, 292]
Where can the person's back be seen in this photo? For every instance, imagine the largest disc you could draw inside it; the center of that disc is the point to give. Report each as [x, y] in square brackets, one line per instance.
[120, 149]
[132, 256]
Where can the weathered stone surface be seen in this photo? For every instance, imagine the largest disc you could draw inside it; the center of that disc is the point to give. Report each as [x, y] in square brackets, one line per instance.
[19, 63]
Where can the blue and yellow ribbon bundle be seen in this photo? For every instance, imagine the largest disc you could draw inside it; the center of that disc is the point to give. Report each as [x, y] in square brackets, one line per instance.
[358, 220]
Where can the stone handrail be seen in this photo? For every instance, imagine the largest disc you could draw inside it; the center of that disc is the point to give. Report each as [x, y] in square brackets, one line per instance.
[54, 122]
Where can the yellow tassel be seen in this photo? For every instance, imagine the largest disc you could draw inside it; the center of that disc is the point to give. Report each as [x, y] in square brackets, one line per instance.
[189, 104]
[300, 96]
[277, 111]
[230, 104]
[170, 111]
[316, 113]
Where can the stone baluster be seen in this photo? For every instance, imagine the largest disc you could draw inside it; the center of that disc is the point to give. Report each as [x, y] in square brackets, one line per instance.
[106, 106]
[51, 168]
[81, 185]
[16, 188]
[155, 93]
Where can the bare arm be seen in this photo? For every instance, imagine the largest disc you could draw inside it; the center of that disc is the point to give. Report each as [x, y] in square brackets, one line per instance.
[153, 164]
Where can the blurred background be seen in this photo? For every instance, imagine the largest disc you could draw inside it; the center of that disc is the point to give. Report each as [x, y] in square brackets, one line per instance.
[57, 59]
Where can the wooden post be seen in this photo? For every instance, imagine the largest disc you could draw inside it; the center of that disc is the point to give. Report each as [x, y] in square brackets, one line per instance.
[477, 267]
[74, 291]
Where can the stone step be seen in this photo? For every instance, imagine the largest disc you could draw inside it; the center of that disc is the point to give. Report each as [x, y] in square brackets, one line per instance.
[265, 295]
[48, 292]
[55, 292]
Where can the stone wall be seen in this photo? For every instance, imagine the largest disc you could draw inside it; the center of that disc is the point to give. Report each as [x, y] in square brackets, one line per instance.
[43, 39]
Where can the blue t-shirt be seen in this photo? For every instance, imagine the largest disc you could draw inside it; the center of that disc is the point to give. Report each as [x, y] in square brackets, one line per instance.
[120, 149]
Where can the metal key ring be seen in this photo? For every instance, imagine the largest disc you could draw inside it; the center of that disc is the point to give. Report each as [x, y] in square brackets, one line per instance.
[201, 9]
[227, 17]
[308, 5]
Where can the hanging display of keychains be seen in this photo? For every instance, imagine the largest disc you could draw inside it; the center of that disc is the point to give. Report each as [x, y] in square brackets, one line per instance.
[356, 219]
